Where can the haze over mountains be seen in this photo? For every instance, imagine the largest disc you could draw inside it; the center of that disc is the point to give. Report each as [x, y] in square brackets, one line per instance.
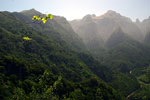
[103, 26]
[120, 44]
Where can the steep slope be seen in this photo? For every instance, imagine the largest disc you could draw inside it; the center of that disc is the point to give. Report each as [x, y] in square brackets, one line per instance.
[49, 65]
[116, 38]
[122, 51]
[147, 39]
[123, 48]
[45, 45]
[144, 25]
[88, 31]
[57, 24]
[123, 55]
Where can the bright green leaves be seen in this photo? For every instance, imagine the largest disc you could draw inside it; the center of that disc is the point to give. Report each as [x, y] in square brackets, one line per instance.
[34, 17]
[26, 38]
[50, 16]
[43, 19]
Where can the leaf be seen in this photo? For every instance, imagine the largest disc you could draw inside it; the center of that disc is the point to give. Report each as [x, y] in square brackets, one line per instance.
[39, 19]
[34, 17]
[27, 38]
[50, 16]
[46, 18]
[44, 21]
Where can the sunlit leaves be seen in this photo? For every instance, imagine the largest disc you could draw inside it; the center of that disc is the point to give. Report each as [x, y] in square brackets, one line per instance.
[27, 38]
[50, 16]
[43, 19]
[34, 17]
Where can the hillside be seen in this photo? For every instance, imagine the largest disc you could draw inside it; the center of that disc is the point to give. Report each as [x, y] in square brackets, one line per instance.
[98, 57]
[123, 49]
[147, 39]
[51, 65]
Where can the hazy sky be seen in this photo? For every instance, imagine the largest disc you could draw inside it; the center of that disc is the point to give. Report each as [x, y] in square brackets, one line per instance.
[74, 9]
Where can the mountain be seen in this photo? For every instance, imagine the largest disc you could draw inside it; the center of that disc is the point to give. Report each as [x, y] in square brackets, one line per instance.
[87, 29]
[124, 55]
[147, 39]
[54, 64]
[122, 49]
[116, 38]
[59, 24]
[131, 52]
[94, 58]
[144, 25]
[122, 38]
[107, 23]
[120, 45]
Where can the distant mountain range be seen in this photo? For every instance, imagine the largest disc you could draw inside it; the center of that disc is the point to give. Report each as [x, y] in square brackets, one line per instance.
[103, 26]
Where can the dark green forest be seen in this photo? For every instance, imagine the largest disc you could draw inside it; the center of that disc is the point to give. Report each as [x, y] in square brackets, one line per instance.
[56, 64]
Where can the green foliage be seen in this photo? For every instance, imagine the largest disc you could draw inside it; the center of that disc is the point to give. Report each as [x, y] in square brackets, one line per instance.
[142, 93]
[49, 66]
[47, 86]
[143, 74]
[144, 78]
[124, 83]
[125, 57]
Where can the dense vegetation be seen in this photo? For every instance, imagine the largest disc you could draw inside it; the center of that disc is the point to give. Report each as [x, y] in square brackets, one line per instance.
[51, 65]
[122, 55]
[122, 46]
[54, 63]
[23, 81]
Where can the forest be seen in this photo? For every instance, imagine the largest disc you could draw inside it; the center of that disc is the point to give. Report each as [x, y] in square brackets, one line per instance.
[56, 59]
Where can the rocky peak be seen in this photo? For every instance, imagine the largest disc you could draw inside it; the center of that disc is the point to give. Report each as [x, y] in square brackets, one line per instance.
[137, 20]
[87, 18]
[112, 13]
[31, 12]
